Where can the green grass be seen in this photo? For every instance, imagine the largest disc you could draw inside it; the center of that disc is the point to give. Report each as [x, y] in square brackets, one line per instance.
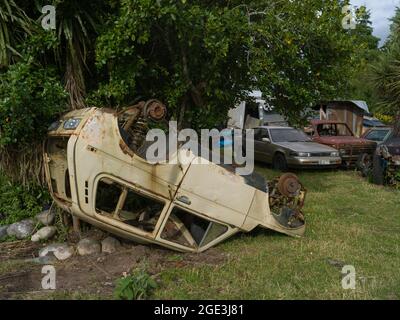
[348, 219]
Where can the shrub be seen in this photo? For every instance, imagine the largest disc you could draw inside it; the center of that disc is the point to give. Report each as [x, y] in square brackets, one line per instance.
[137, 286]
[30, 98]
[18, 202]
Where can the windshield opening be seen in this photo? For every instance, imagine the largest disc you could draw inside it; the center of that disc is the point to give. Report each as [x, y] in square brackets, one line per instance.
[334, 129]
[288, 135]
[377, 135]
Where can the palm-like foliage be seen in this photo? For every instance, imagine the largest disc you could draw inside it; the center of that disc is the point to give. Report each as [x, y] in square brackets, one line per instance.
[385, 74]
[14, 24]
[76, 31]
[386, 77]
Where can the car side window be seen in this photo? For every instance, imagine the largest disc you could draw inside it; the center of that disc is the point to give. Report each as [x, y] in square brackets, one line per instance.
[327, 130]
[264, 133]
[259, 134]
[190, 230]
[127, 205]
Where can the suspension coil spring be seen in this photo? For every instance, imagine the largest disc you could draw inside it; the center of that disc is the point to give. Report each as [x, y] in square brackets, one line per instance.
[139, 131]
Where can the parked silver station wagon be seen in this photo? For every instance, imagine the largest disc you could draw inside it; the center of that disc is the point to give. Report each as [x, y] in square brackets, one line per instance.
[286, 147]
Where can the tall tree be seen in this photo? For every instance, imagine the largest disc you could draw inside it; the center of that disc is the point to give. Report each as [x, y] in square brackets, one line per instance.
[386, 73]
[77, 25]
[202, 57]
[365, 53]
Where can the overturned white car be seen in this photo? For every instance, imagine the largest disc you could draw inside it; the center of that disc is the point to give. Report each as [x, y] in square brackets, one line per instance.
[96, 172]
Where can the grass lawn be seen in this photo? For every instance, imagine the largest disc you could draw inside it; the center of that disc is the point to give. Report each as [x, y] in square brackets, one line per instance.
[349, 221]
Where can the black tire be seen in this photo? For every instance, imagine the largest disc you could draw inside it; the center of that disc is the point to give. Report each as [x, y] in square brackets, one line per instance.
[279, 162]
[364, 164]
[377, 171]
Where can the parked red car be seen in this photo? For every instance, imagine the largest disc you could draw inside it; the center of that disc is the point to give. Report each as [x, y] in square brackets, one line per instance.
[339, 136]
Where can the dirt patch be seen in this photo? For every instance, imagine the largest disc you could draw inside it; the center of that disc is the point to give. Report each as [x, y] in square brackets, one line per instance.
[18, 250]
[96, 274]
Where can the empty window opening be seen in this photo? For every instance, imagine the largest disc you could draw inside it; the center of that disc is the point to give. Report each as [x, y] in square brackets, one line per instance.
[140, 211]
[127, 205]
[107, 197]
[189, 230]
[334, 129]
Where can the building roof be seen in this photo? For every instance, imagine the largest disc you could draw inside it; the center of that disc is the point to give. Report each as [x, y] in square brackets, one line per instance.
[361, 104]
[358, 103]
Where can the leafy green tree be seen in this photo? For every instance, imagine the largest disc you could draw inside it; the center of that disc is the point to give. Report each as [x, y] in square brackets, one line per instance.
[193, 55]
[202, 57]
[77, 26]
[365, 53]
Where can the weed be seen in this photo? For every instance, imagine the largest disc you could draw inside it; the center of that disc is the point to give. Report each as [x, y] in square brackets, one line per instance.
[137, 286]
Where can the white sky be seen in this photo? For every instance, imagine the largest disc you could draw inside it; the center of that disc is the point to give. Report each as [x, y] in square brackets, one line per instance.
[381, 11]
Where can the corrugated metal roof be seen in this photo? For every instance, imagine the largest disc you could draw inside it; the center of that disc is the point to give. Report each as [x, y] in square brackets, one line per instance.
[358, 103]
[361, 104]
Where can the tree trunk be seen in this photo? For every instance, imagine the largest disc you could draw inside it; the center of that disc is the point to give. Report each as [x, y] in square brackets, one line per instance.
[24, 166]
[75, 83]
[181, 113]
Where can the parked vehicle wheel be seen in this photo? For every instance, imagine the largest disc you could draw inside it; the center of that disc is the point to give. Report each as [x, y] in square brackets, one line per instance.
[364, 164]
[279, 162]
[377, 170]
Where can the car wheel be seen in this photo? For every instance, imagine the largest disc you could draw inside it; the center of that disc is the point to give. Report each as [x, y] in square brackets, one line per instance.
[364, 164]
[279, 162]
[377, 170]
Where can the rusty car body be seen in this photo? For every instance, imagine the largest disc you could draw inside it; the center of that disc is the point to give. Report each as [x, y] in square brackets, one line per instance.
[385, 165]
[96, 171]
[339, 136]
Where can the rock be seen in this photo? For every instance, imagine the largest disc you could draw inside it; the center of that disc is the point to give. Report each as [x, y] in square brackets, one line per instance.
[61, 251]
[3, 232]
[110, 245]
[44, 234]
[88, 246]
[46, 217]
[21, 229]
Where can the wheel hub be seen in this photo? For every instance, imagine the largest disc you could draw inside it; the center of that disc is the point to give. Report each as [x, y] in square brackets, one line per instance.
[289, 185]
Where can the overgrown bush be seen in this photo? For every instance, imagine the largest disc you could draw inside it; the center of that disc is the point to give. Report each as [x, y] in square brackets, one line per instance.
[30, 97]
[18, 202]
